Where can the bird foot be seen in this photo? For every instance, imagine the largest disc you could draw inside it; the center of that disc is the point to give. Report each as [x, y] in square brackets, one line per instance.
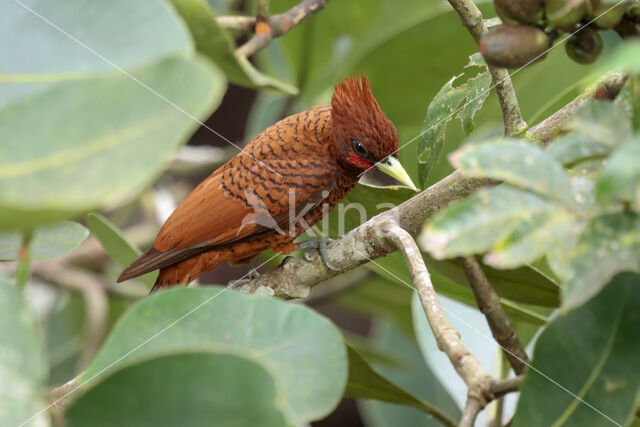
[319, 244]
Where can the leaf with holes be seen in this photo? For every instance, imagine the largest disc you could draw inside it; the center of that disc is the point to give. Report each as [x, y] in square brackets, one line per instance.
[461, 102]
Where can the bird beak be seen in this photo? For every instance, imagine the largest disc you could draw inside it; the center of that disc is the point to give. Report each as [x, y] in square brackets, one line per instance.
[392, 167]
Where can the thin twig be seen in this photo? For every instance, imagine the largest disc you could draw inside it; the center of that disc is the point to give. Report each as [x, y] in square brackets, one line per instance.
[499, 323]
[472, 19]
[238, 23]
[607, 89]
[448, 339]
[509, 385]
[280, 24]
[471, 410]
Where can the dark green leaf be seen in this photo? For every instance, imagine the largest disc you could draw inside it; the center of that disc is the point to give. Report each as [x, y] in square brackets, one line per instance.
[608, 245]
[477, 223]
[365, 383]
[47, 241]
[414, 377]
[23, 368]
[304, 351]
[116, 244]
[620, 177]
[217, 44]
[190, 389]
[451, 102]
[517, 163]
[591, 355]
[523, 285]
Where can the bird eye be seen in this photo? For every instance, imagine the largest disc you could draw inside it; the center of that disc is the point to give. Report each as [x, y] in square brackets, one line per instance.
[359, 148]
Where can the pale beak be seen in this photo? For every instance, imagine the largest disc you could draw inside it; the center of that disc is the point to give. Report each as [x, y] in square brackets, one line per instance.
[392, 167]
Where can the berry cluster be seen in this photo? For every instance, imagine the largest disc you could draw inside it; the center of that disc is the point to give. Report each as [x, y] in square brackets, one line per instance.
[531, 26]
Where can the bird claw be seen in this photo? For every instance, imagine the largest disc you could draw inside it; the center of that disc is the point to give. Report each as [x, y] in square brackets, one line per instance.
[319, 244]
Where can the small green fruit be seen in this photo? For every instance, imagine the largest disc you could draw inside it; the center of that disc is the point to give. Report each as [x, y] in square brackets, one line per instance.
[512, 46]
[523, 11]
[585, 46]
[606, 14]
[565, 13]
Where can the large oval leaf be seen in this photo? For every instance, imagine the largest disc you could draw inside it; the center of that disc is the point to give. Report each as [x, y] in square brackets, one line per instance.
[222, 389]
[304, 351]
[23, 368]
[99, 141]
[100, 135]
[589, 361]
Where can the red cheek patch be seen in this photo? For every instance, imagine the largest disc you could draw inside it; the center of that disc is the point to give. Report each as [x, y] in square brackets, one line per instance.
[358, 161]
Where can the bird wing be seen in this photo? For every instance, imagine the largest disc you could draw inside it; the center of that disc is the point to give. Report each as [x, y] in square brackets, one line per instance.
[243, 200]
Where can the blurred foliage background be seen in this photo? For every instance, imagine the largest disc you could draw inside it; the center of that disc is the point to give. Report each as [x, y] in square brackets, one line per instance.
[100, 137]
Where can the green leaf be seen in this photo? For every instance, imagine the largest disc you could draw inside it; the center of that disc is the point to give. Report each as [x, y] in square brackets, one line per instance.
[116, 244]
[625, 58]
[517, 163]
[522, 285]
[47, 241]
[461, 102]
[217, 44]
[620, 177]
[531, 239]
[414, 377]
[184, 389]
[606, 122]
[608, 245]
[120, 138]
[574, 147]
[304, 351]
[591, 355]
[23, 368]
[95, 121]
[475, 224]
[365, 383]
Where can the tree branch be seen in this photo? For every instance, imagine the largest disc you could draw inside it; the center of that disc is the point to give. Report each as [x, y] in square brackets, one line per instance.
[607, 89]
[472, 19]
[499, 323]
[281, 24]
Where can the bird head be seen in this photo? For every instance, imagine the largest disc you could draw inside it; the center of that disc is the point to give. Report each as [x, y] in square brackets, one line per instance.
[364, 136]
